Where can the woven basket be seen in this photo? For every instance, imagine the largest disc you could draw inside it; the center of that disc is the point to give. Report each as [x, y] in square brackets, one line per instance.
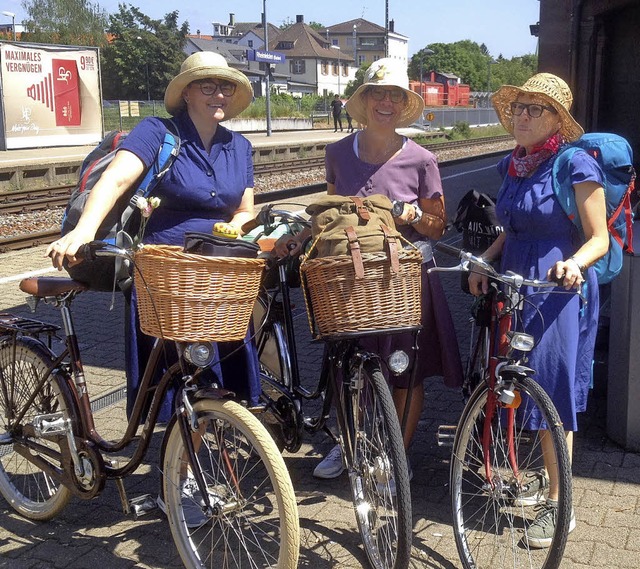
[337, 303]
[187, 297]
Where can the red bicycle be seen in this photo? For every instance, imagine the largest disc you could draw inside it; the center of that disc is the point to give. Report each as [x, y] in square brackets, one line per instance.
[500, 465]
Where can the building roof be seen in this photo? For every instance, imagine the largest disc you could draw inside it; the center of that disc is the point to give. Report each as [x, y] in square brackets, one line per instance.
[362, 27]
[305, 42]
[234, 54]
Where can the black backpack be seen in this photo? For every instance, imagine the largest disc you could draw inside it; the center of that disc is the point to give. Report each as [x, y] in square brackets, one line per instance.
[122, 222]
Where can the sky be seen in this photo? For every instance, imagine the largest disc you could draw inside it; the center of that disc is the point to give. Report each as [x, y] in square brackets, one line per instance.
[502, 25]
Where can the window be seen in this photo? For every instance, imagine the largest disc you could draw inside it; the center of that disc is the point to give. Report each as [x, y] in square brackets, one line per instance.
[361, 59]
[334, 69]
[324, 67]
[297, 66]
[285, 45]
[250, 42]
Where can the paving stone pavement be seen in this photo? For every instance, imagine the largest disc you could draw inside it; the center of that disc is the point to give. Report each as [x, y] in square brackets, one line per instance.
[97, 534]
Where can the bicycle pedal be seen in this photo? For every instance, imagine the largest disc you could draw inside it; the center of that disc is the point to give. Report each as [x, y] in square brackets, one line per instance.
[446, 435]
[51, 424]
[142, 505]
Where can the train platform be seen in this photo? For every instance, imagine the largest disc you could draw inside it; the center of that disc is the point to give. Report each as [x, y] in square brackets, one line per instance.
[65, 154]
[98, 534]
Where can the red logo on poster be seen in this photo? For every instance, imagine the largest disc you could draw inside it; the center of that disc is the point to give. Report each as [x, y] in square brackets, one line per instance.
[66, 92]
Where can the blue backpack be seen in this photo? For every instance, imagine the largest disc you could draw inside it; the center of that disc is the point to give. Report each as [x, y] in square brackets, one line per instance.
[615, 157]
[122, 222]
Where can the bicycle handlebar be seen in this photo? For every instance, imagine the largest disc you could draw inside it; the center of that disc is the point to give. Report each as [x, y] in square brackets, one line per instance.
[94, 249]
[509, 278]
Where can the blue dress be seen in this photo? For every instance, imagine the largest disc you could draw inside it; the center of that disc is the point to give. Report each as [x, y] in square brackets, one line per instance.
[538, 234]
[199, 189]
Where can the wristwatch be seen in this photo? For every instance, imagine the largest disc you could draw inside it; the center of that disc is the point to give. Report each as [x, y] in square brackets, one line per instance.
[418, 215]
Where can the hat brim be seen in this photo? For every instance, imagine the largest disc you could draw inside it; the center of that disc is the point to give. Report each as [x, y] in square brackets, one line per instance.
[241, 99]
[357, 106]
[507, 94]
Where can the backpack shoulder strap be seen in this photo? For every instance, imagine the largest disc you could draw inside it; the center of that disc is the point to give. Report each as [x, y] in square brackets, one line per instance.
[562, 186]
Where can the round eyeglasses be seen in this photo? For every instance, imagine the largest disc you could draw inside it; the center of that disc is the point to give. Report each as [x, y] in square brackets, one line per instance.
[378, 94]
[208, 87]
[534, 110]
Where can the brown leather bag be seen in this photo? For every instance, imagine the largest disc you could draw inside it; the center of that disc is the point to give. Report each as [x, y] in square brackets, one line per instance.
[349, 225]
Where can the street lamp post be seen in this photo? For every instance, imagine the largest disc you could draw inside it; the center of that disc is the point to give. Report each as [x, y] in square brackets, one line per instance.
[339, 70]
[13, 22]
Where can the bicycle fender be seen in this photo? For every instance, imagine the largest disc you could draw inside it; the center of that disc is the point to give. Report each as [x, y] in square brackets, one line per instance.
[514, 371]
[217, 393]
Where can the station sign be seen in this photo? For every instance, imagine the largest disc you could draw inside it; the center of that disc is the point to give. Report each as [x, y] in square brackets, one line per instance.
[265, 56]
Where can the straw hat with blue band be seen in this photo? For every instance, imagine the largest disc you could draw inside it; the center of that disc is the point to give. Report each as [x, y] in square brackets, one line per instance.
[208, 65]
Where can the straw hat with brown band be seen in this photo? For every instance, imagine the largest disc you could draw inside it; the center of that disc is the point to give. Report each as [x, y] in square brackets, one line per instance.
[205, 65]
[551, 90]
[386, 72]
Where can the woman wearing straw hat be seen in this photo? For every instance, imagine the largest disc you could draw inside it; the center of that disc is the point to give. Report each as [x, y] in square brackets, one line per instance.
[211, 180]
[540, 241]
[378, 160]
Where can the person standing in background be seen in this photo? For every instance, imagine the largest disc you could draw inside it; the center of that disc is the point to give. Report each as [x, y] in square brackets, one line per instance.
[336, 110]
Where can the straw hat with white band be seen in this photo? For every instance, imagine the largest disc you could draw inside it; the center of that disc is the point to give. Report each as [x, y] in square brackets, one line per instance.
[386, 73]
[208, 65]
[550, 90]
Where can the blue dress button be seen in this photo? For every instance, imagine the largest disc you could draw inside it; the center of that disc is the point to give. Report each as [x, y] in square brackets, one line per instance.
[213, 194]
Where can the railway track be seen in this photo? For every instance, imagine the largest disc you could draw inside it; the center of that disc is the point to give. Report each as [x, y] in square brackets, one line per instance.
[26, 201]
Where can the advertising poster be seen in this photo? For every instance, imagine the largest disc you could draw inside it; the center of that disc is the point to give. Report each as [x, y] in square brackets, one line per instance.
[50, 96]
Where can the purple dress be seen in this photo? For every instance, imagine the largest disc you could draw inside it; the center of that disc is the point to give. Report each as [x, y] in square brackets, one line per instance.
[411, 174]
[538, 234]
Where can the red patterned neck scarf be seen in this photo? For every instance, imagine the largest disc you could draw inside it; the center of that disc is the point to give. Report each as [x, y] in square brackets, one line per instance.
[523, 165]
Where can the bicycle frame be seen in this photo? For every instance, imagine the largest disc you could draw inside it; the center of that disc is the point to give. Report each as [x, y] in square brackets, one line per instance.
[68, 370]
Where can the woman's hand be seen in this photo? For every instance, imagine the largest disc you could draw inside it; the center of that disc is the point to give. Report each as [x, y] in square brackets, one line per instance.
[478, 283]
[290, 244]
[566, 273]
[66, 247]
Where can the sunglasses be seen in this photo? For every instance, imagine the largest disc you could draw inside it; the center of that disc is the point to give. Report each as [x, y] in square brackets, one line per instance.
[534, 110]
[379, 94]
[209, 88]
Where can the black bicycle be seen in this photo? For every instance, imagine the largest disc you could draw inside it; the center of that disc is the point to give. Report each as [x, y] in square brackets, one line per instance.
[352, 382]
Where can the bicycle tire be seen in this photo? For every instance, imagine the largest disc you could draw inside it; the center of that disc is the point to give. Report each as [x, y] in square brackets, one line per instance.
[255, 522]
[379, 460]
[27, 489]
[489, 528]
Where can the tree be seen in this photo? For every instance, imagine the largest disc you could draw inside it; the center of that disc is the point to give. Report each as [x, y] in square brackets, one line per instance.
[68, 22]
[143, 55]
[473, 64]
[351, 87]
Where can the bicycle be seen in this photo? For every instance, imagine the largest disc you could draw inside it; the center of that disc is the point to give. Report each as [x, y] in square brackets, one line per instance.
[494, 455]
[214, 447]
[352, 381]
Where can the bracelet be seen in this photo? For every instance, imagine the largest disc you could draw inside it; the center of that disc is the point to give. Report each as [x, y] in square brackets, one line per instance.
[581, 268]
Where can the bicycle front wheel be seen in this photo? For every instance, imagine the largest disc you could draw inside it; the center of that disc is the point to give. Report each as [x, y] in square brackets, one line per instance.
[491, 517]
[27, 489]
[253, 521]
[379, 475]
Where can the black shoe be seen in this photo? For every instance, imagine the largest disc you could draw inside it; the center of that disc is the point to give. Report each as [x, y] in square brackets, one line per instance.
[336, 130]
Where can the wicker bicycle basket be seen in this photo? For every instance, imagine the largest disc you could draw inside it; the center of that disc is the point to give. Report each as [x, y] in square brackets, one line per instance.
[338, 303]
[187, 297]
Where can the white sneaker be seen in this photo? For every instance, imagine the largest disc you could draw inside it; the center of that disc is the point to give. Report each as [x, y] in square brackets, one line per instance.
[331, 465]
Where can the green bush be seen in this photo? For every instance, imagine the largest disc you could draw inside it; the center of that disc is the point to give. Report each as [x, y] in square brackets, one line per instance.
[460, 131]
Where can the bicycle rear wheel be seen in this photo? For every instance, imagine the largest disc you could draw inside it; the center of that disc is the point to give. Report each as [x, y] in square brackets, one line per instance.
[254, 522]
[490, 525]
[379, 465]
[26, 488]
